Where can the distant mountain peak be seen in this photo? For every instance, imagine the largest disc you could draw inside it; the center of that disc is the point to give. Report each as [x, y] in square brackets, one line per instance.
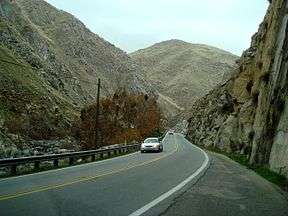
[183, 71]
[175, 41]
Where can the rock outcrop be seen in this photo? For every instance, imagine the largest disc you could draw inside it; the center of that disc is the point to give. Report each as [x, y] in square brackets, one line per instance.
[248, 114]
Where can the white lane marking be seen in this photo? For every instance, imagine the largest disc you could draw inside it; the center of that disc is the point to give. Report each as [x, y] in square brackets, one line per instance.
[175, 189]
[76, 166]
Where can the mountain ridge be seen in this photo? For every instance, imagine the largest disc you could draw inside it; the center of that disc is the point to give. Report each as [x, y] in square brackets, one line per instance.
[183, 71]
[183, 42]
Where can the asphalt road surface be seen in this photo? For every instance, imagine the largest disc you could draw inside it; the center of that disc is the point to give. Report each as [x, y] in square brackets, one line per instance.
[136, 184]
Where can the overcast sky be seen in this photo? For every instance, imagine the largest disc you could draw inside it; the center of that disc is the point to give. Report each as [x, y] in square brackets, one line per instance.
[136, 24]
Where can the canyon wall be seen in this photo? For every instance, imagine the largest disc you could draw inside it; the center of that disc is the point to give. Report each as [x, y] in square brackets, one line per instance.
[249, 113]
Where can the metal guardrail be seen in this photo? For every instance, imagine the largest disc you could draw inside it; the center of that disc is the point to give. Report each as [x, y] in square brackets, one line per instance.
[14, 162]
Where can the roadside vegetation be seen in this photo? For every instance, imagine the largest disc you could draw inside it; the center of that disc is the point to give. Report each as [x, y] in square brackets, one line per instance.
[124, 118]
[263, 171]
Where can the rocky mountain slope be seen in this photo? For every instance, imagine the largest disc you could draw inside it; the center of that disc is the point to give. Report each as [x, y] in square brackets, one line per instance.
[183, 72]
[29, 108]
[67, 54]
[50, 63]
[248, 114]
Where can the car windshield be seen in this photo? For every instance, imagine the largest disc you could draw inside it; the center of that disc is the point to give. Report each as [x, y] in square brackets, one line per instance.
[151, 141]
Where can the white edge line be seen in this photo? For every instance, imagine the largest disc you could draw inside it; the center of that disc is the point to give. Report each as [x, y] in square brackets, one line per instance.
[175, 189]
[71, 167]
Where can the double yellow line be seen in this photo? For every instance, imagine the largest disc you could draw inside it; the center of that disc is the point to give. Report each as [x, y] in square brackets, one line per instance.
[83, 179]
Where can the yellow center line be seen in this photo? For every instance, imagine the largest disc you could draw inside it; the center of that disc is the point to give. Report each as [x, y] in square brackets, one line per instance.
[83, 179]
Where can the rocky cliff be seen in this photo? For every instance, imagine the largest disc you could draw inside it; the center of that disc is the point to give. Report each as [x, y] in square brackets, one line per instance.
[248, 114]
[183, 72]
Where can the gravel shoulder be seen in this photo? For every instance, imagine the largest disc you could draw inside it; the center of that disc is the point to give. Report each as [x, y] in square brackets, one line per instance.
[228, 188]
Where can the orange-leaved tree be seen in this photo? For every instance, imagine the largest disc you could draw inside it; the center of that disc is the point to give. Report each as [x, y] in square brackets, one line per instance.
[125, 117]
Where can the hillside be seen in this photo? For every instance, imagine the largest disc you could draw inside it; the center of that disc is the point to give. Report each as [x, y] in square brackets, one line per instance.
[49, 70]
[248, 114]
[28, 107]
[183, 72]
[68, 55]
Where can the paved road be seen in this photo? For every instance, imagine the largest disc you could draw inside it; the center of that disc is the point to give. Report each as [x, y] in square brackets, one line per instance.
[118, 186]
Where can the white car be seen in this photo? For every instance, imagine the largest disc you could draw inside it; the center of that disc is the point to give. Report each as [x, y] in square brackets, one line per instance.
[151, 144]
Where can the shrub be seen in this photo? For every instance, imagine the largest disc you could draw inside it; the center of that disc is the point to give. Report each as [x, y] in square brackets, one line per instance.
[255, 96]
[251, 135]
[249, 86]
[260, 64]
[227, 108]
[265, 77]
[15, 124]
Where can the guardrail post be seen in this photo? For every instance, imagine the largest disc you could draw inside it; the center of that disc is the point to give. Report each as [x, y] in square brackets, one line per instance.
[109, 153]
[36, 164]
[13, 169]
[56, 163]
[115, 152]
[71, 161]
[101, 155]
[93, 158]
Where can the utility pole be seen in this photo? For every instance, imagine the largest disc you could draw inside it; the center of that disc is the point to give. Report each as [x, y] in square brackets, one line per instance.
[97, 143]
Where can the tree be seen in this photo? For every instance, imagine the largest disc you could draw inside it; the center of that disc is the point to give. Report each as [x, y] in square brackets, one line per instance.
[123, 118]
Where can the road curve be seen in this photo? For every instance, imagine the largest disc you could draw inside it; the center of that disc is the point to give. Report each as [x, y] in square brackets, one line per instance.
[129, 185]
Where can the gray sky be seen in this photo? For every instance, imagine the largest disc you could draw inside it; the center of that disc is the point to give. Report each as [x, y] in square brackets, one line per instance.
[136, 24]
